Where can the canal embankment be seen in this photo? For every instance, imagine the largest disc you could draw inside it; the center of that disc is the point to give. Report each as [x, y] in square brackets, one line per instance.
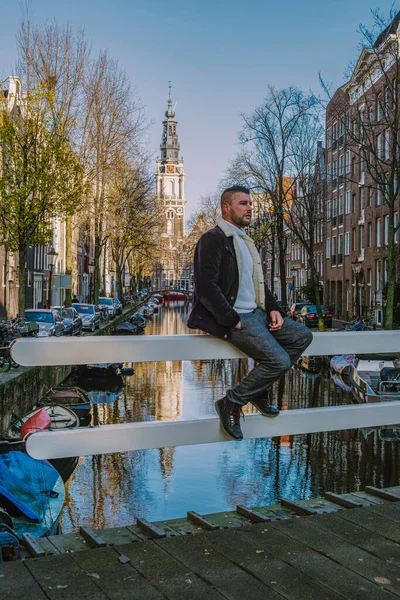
[21, 388]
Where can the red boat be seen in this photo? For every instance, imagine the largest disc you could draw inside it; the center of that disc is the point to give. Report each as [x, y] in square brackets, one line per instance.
[171, 296]
[39, 421]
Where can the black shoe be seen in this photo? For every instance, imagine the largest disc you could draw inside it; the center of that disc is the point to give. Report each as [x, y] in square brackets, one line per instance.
[266, 409]
[229, 414]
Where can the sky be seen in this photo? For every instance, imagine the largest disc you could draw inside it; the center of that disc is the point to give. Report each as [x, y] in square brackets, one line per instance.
[220, 56]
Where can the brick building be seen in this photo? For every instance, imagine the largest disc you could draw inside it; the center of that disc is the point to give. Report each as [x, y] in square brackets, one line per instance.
[360, 146]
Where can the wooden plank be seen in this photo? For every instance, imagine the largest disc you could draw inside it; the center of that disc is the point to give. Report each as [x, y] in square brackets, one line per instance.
[271, 570]
[150, 528]
[225, 576]
[382, 494]
[118, 581]
[353, 558]
[32, 545]
[202, 522]
[359, 536]
[17, 583]
[374, 521]
[61, 577]
[253, 515]
[47, 546]
[314, 565]
[114, 536]
[174, 580]
[91, 537]
[365, 499]
[342, 500]
[389, 511]
[68, 542]
[297, 508]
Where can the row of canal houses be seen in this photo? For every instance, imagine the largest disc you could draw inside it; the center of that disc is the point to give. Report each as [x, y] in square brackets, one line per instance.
[351, 236]
[48, 263]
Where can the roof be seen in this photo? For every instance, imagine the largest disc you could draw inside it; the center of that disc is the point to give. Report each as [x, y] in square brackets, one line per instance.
[391, 28]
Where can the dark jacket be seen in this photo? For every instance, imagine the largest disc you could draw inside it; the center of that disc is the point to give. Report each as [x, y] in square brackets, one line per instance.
[216, 285]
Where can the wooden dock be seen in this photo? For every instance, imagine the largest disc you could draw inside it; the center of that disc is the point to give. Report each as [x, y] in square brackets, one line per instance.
[347, 547]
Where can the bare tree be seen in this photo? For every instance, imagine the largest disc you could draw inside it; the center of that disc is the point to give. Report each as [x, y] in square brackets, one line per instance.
[54, 59]
[113, 131]
[265, 162]
[367, 111]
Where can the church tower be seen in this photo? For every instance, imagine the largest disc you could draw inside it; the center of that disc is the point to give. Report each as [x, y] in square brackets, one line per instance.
[170, 180]
[171, 177]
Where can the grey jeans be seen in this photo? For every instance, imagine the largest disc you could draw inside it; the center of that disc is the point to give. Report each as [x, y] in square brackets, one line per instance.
[274, 353]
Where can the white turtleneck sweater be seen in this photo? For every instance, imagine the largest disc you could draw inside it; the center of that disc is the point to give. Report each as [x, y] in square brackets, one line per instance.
[246, 298]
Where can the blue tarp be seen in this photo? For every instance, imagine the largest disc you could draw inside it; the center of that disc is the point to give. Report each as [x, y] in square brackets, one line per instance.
[23, 481]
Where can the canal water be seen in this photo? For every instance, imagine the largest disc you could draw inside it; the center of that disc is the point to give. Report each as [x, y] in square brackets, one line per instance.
[111, 490]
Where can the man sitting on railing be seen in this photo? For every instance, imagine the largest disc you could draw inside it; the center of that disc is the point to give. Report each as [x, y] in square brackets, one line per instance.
[232, 301]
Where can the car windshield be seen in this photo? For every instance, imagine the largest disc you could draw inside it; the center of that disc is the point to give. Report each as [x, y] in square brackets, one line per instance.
[106, 301]
[67, 313]
[39, 317]
[84, 309]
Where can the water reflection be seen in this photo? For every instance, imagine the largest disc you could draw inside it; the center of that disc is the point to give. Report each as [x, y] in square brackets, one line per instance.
[111, 490]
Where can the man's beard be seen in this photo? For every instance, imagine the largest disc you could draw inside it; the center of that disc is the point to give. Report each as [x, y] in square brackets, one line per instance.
[240, 221]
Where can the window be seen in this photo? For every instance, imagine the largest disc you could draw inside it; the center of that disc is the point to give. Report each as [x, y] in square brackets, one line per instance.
[387, 144]
[334, 170]
[353, 166]
[340, 206]
[362, 200]
[354, 239]
[369, 196]
[379, 146]
[341, 166]
[386, 230]
[378, 232]
[369, 240]
[329, 138]
[361, 238]
[334, 135]
[362, 162]
[334, 211]
[385, 271]
[353, 203]
[348, 120]
[378, 275]
[334, 250]
[348, 161]
[395, 225]
[328, 173]
[378, 195]
[379, 108]
[328, 247]
[342, 126]
[348, 205]
[388, 99]
[347, 243]
[340, 249]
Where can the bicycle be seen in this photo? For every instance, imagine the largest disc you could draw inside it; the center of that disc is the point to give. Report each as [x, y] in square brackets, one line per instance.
[6, 360]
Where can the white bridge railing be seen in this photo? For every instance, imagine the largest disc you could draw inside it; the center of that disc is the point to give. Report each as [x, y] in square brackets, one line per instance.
[124, 437]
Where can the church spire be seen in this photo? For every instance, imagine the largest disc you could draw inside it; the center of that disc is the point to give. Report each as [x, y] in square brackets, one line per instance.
[169, 142]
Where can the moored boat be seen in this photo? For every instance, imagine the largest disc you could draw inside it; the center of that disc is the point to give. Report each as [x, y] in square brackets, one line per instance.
[73, 398]
[51, 416]
[32, 495]
[174, 295]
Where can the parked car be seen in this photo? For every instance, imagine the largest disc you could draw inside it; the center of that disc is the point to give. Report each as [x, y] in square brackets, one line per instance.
[108, 302]
[71, 319]
[308, 313]
[118, 306]
[48, 320]
[295, 309]
[90, 317]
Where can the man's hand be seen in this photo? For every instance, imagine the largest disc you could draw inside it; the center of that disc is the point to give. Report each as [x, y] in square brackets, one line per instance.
[276, 320]
[238, 325]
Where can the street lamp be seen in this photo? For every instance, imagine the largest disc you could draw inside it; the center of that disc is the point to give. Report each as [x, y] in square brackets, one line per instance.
[52, 255]
[356, 266]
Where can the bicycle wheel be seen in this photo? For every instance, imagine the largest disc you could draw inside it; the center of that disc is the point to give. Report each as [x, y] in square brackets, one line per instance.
[5, 365]
[14, 364]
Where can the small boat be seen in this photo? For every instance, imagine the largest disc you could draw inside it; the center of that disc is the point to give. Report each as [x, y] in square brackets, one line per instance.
[73, 398]
[375, 378]
[157, 297]
[173, 295]
[51, 416]
[99, 370]
[32, 495]
[125, 328]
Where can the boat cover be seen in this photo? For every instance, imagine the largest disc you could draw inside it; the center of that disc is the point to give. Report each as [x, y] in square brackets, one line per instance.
[343, 363]
[26, 482]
